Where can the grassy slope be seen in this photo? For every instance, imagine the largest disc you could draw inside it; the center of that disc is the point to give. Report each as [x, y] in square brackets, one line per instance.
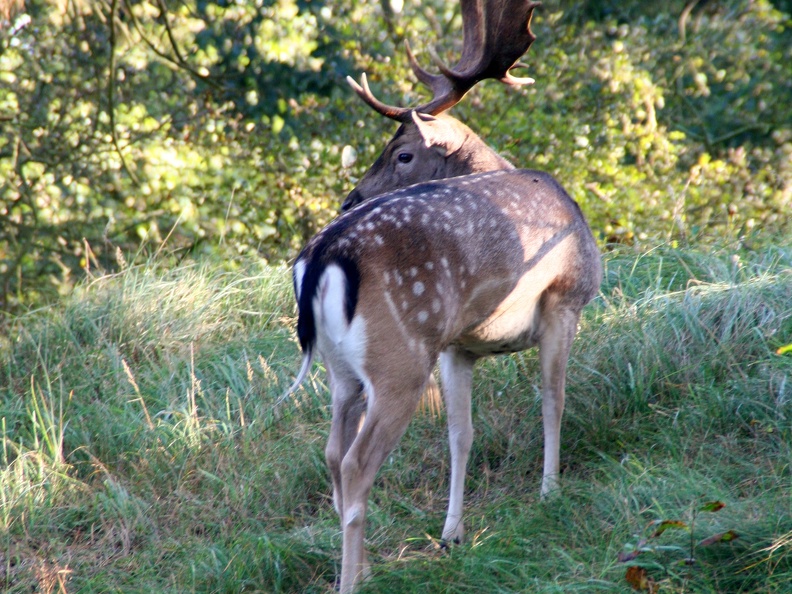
[145, 447]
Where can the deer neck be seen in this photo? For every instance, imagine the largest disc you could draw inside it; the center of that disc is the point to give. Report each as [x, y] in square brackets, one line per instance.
[477, 157]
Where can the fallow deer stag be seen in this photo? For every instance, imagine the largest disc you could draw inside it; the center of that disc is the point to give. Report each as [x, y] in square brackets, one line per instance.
[487, 260]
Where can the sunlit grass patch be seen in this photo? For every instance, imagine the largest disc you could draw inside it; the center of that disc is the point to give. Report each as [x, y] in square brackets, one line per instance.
[146, 445]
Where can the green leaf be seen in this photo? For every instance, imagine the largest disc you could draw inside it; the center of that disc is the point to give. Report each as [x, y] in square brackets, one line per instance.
[277, 124]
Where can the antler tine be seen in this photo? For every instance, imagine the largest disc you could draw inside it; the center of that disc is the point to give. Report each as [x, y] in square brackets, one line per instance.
[421, 74]
[444, 88]
[517, 81]
[400, 114]
[437, 82]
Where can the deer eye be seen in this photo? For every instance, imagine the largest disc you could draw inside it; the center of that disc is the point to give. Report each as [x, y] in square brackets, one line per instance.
[405, 157]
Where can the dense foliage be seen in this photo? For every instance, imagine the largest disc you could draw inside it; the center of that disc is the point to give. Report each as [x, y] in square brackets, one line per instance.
[146, 126]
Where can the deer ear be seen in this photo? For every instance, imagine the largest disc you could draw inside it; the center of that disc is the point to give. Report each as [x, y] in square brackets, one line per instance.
[438, 133]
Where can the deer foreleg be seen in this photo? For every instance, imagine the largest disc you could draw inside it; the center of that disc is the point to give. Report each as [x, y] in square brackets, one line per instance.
[456, 371]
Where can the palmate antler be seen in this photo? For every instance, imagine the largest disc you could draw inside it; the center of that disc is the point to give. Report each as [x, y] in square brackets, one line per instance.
[496, 35]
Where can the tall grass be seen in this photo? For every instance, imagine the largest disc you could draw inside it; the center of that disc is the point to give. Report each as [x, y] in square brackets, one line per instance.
[145, 445]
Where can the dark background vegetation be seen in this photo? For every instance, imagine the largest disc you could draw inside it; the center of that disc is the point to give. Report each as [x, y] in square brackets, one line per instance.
[197, 127]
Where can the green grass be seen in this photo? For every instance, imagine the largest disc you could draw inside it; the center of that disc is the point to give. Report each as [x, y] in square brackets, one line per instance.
[145, 447]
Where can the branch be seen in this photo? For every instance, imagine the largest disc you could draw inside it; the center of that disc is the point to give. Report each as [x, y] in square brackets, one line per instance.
[174, 45]
[179, 62]
[684, 17]
[111, 93]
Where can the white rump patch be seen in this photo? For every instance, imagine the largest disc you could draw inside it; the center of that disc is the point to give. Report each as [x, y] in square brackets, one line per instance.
[299, 273]
[331, 294]
[341, 344]
[354, 349]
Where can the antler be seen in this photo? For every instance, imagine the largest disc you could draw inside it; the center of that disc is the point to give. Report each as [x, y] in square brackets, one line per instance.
[496, 34]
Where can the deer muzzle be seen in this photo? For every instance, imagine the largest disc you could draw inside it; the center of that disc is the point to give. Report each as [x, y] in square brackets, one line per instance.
[354, 198]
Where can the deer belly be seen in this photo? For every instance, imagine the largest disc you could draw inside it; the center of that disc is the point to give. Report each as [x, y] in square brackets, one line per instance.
[511, 327]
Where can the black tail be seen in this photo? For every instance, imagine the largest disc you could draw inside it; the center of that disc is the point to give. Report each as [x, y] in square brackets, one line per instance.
[306, 323]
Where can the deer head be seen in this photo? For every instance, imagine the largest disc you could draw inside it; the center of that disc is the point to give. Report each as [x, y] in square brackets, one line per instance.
[429, 145]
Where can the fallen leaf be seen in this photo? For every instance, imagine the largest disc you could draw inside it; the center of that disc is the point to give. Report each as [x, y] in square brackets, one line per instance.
[639, 579]
[668, 524]
[712, 506]
[720, 537]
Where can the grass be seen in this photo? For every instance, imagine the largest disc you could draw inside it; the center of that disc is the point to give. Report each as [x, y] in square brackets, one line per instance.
[145, 447]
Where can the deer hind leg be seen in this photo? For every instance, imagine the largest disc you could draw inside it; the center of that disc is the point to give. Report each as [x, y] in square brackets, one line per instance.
[554, 345]
[390, 407]
[456, 371]
[349, 405]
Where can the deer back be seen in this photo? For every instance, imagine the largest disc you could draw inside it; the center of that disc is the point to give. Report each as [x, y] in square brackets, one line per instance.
[467, 260]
